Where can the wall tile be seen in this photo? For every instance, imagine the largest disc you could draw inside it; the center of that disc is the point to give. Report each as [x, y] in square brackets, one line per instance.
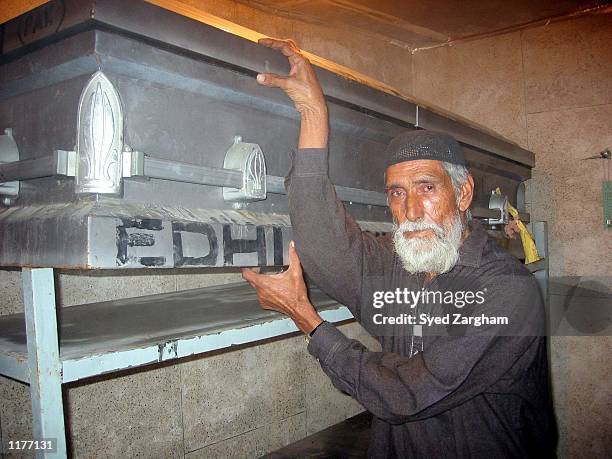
[566, 191]
[230, 393]
[481, 80]
[199, 279]
[246, 16]
[225, 9]
[137, 415]
[589, 398]
[11, 293]
[568, 64]
[394, 68]
[263, 22]
[373, 57]
[80, 287]
[15, 415]
[257, 442]
[431, 70]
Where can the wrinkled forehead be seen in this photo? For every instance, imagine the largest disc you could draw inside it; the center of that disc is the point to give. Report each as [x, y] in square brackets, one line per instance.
[407, 171]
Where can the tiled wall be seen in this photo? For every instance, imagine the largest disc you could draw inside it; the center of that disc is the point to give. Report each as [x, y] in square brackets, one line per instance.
[547, 88]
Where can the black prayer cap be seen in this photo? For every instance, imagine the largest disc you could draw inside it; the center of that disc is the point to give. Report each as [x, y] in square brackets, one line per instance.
[421, 144]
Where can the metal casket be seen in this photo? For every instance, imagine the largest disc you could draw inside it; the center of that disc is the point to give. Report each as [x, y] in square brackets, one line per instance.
[137, 137]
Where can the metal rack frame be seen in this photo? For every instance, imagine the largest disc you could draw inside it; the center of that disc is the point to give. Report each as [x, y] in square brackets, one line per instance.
[45, 363]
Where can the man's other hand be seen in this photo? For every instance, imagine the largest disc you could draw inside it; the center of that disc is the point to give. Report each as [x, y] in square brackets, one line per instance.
[286, 293]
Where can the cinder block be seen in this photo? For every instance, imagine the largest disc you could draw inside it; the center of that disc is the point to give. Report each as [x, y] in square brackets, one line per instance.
[568, 64]
[11, 292]
[90, 287]
[481, 80]
[15, 415]
[257, 442]
[584, 410]
[230, 393]
[209, 278]
[137, 415]
[579, 243]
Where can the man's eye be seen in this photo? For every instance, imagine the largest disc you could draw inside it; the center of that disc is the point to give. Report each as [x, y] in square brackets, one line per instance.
[396, 193]
[428, 187]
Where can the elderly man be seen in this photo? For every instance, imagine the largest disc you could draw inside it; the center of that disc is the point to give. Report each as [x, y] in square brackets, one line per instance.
[443, 390]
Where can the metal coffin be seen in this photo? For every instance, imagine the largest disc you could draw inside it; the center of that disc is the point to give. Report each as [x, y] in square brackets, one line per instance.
[136, 146]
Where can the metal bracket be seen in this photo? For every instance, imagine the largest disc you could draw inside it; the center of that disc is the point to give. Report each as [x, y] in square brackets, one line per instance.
[65, 162]
[248, 159]
[498, 201]
[9, 153]
[61, 162]
[133, 162]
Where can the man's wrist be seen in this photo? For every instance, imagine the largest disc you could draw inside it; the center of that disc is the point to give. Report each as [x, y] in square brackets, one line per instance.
[312, 323]
[310, 331]
[314, 129]
[315, 114]
[314, 330]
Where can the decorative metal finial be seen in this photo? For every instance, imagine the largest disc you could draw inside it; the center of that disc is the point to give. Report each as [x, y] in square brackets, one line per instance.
[248, 159]
[99, 138]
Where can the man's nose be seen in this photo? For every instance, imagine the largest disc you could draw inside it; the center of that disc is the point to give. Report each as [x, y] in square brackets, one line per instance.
[414, 208]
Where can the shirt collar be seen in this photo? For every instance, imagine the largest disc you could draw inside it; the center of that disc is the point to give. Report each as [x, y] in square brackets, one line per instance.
[470, 252]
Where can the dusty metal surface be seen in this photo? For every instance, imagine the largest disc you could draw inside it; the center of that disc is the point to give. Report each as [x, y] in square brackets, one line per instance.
[185, 90]
[138, 322]
[115, 234]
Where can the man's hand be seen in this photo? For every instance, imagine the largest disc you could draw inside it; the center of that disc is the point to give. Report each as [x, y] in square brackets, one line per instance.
[302, 86]
[286, 293]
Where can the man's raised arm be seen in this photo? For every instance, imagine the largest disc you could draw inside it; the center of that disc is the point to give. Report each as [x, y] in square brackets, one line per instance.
[330, 243]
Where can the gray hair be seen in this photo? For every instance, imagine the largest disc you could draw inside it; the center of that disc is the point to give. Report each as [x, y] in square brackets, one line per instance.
[458, 175]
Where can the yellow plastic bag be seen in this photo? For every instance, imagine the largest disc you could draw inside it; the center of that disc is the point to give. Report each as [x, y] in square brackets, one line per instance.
[529, 245]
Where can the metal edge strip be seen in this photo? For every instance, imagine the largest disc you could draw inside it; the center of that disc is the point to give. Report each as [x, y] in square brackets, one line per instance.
[75, 369]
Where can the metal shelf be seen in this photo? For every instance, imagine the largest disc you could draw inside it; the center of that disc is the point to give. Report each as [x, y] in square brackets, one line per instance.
[110, 336]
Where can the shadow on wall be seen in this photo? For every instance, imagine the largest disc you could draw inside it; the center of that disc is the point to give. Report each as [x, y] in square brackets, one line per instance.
[580, 306]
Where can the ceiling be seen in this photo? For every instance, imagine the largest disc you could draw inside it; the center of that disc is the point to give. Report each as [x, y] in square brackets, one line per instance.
[411, 24]
[417, 23]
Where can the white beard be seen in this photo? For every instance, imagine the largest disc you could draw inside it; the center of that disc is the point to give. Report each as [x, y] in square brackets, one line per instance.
[436, 254]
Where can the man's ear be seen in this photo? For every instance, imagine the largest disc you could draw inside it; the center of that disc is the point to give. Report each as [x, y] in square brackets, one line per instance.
[467, 193]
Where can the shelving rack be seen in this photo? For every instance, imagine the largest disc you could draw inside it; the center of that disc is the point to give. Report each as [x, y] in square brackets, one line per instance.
[111, 336]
